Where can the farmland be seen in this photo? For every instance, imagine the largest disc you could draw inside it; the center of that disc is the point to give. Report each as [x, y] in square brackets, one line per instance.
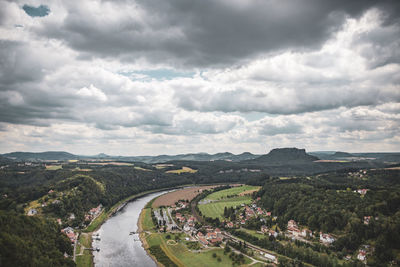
[169, 199]
[234, 191]
[53, 167]
[183, 170]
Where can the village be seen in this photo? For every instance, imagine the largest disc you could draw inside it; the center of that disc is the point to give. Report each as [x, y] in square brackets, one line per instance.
[180, 217]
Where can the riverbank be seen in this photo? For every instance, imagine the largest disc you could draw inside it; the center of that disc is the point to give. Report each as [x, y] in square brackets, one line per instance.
[87, 259]
[106, 214]
[142, 233]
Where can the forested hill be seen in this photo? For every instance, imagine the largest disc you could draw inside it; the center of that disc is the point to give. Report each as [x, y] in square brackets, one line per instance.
[330, 203]
[49, 155]
[60, 155]
[280, 156]
[32, 241]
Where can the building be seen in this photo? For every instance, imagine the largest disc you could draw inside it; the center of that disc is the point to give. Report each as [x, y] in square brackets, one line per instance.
[69, 231]
[32, 212]
[306, 233]
[264, 229]
[268, 256]
[362, 191]
[362, 255]
[273, 233]
[229, 224]
[326, 238]
[292, 223]
[367, 219]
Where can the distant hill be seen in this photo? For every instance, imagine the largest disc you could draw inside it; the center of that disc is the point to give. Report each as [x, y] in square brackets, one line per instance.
[195, 157]
[342, 155]
[285, 156]
[49, 155]
[61, 155]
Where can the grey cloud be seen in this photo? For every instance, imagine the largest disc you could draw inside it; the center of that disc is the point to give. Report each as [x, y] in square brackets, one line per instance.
[289, 128]
[280, 101]
[380, 46]
[205, 32]
[193, 126]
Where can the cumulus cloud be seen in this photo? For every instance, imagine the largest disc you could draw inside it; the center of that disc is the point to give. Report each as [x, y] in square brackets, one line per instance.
[147, 77]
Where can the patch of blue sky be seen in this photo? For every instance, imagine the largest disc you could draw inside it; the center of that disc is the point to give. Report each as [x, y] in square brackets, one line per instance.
[157, 74]
[40, 11]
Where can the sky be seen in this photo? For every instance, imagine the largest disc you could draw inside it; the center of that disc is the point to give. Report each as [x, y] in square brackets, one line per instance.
[145, 77]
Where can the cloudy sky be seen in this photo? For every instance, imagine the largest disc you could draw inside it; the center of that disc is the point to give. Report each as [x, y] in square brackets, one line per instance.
[149, 77]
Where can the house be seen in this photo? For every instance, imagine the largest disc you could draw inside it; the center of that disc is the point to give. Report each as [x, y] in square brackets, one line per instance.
[362, 255]
[229, 224]
[51, 191]
[367, 219]
[326, 238]
[69, 231]
[203, 241]
[306, 233]
[264, 229]
[273, 233]
[32, 212]
[294, 231]
[179, 217]
[186, 227]
[292, 223]
[72, 216]
[95, 211]
[211, 235]
[59, 221]
[242, 222]
[259, 211]
[268, 213]
[362, 191]
[216, 240]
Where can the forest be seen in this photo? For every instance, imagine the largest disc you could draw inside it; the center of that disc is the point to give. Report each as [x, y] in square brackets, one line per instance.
[331, 204]
[323, 202]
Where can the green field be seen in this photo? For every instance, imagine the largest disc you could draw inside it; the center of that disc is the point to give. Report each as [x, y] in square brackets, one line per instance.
[231, 192]
[216, 209]
[86, 259]
[146, 220]
[221, 200]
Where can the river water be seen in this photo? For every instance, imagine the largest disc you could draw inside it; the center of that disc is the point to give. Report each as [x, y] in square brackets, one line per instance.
[117, 246]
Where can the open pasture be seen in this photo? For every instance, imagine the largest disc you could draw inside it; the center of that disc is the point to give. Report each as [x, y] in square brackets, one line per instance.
[234, 191]
[216, 209]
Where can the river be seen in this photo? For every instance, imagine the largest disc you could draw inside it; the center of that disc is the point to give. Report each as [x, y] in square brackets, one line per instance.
[117, 247]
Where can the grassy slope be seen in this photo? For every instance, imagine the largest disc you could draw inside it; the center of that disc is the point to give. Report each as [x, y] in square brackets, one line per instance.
[86, 259]
[216, 209]
[229, 192]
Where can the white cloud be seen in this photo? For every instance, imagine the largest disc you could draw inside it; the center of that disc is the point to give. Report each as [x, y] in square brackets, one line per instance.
[92, 93]
[59, 93]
